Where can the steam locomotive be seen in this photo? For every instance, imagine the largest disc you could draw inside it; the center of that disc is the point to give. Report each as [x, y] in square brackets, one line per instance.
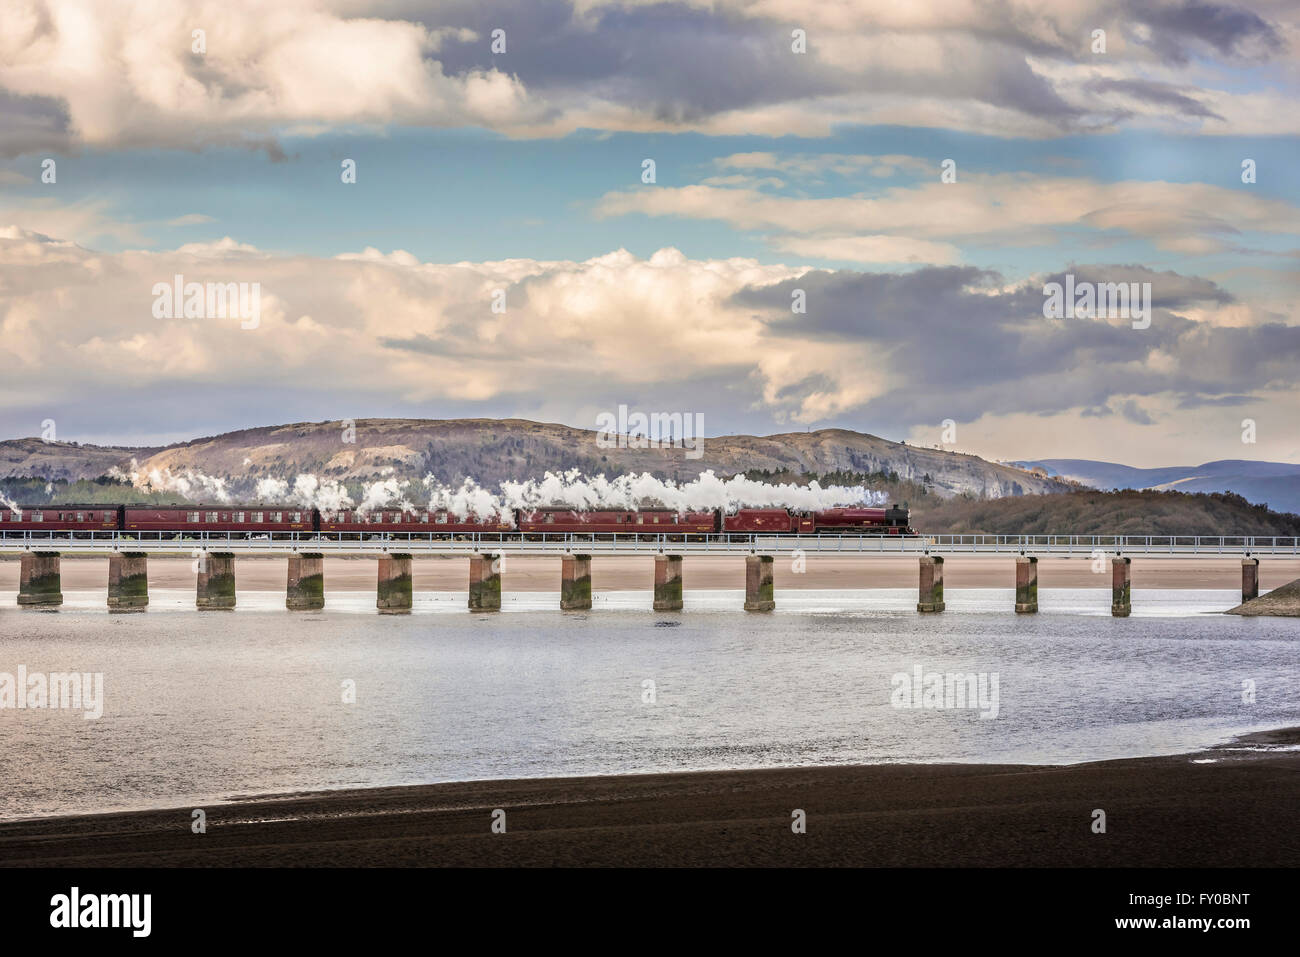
[265, 521]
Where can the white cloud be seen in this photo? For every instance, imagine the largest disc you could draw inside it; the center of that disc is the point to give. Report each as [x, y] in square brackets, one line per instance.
[925, 220]
[664, 332]
[190, 219]
[124, 75]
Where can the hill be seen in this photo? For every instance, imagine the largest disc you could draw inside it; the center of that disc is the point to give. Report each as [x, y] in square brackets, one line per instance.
[491, 451]
[1274, 483]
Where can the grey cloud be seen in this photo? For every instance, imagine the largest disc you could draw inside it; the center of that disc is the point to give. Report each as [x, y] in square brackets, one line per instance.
[29, 124]
[1228, 30]
[1151, 91]
[1134, 413]
[962, 350]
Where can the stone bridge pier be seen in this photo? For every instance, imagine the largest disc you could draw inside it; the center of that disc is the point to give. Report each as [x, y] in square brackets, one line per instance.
[216, 585]
[930, 592]
[760, 589]
[393, 594]
[668, 583]
[575, 583]
[39, 582]
[1249, 579]
[1026, 585]
[305, 588]
[128, 581]
[1121, 586]
[485, 582]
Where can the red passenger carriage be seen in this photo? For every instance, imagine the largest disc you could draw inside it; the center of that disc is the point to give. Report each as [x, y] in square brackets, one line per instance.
[239, 521]
[639, 522]
[388, 521]
[60, 518]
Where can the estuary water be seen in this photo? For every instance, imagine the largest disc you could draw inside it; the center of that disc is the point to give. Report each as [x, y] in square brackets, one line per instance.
[200, 708]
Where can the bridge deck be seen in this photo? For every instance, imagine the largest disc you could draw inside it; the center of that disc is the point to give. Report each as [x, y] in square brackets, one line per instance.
[1198, 546]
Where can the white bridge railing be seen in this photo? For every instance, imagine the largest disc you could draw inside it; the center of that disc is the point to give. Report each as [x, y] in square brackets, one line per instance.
[431, 543]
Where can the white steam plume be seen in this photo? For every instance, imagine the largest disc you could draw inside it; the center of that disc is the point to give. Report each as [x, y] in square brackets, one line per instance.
[567, 490]
[192, 485]
[576, 491]
[307, 491]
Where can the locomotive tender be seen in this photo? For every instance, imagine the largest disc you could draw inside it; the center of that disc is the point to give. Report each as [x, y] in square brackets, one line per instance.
[266, 521]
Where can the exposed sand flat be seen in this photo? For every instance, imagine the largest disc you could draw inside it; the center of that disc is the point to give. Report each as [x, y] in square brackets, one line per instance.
[1283, 602]
[1239, 810]
[704, 572]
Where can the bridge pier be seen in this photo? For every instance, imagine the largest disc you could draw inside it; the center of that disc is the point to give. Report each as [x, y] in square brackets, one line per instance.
[760, 591]
[485, 583]
[1121, 589]
[39, 583]
[668, 583]
[216, 586]
[305, 589]
[930, 592]
[128, 581]
[1026, 585]
[1249, 579]
[575, 583]
[393, 592]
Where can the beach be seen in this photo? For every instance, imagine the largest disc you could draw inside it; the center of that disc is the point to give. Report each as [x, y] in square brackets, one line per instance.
[533, 574]
[1231, 806]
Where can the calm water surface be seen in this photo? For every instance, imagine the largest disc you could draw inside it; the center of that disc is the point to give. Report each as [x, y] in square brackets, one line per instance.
[204, 707]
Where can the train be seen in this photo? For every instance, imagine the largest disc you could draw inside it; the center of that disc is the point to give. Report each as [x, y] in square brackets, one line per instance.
[281, 521]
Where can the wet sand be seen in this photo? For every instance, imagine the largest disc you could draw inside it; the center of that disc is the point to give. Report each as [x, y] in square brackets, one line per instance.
[1240, 811]
[703, 572]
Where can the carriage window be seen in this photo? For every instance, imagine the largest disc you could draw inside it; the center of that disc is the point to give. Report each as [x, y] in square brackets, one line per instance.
[424, 518]
[239, 516]
[191, 516]
[38, 516]
[277, 516]
[15, 516]
[640, 519]
[295, 516]
[550, 519]
[257, 517]
[212, 516]
[442, 518]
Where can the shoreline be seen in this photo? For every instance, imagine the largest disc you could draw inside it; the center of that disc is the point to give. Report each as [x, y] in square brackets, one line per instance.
[1230, 805]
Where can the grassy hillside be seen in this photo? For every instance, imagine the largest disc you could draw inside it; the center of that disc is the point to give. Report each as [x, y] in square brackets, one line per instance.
[100, 491]
[1105, 513]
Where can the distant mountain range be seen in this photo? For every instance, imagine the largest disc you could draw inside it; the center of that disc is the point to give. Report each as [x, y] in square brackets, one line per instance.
[494, 450]
[1276, 484]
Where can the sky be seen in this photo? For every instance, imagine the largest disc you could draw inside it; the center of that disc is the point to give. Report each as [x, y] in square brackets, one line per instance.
[854, 213]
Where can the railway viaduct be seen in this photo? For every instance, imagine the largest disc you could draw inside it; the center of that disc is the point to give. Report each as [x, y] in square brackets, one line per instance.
[128, 588]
